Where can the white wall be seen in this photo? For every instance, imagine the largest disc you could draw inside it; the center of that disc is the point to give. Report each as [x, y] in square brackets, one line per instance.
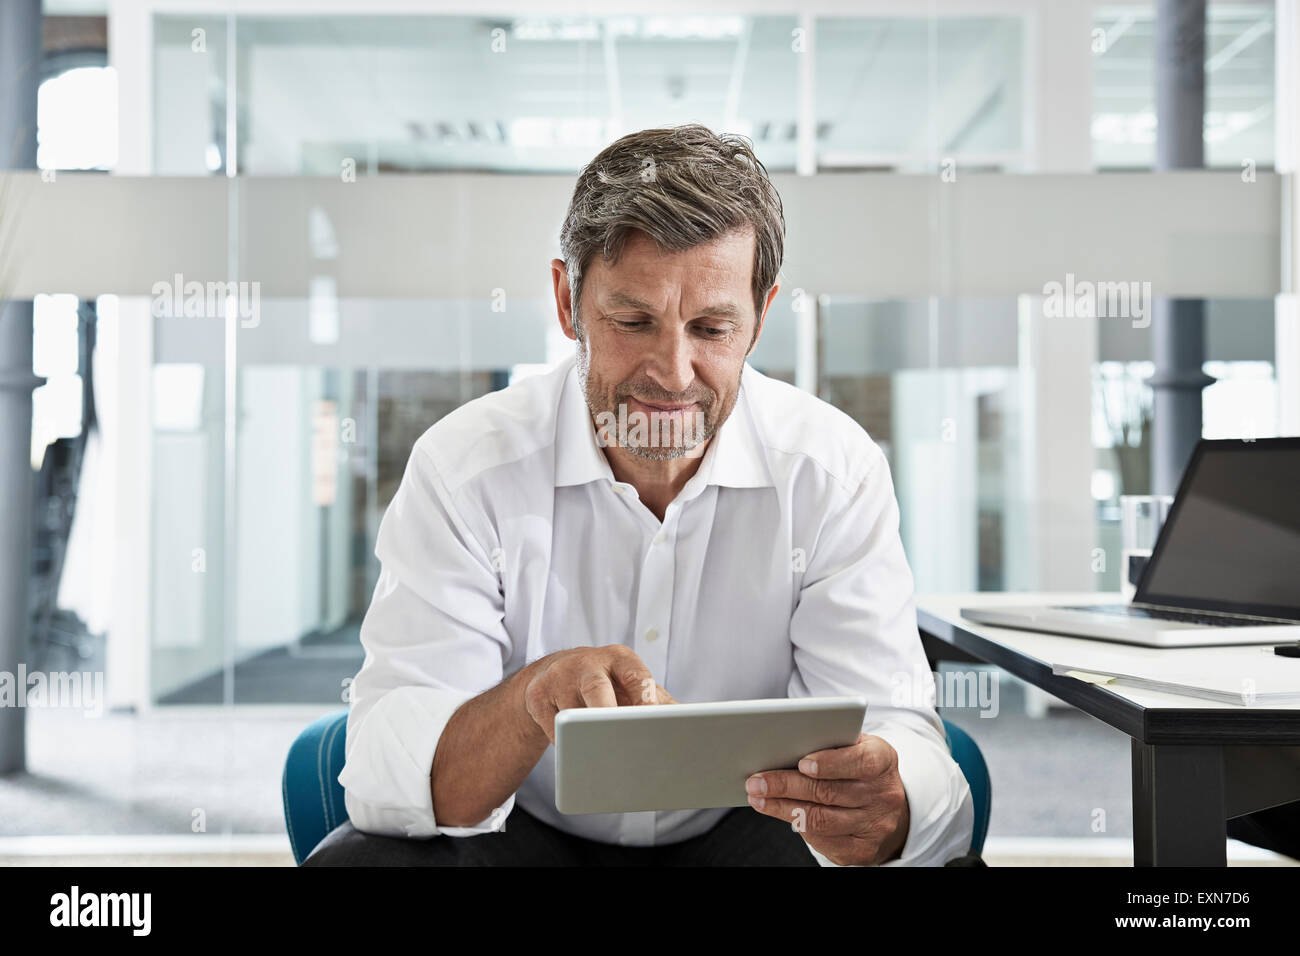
[277, 565]
[935, 451]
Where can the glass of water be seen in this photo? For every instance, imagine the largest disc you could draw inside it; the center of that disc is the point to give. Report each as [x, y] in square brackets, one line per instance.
[1141, 518]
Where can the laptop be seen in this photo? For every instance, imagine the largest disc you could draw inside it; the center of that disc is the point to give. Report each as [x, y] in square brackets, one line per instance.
[1225, 568]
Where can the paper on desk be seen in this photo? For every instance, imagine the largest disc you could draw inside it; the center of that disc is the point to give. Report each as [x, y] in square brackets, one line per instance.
[1090, 678]
[1246, 676]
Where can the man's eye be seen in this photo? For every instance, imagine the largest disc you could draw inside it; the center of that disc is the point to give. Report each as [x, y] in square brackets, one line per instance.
[629, 323]
[713, 331]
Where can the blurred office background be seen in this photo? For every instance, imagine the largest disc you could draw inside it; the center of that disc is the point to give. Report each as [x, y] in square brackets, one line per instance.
[392, 175]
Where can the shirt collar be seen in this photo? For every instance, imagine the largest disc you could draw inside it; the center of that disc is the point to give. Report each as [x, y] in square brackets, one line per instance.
[733, 458]
[739, 462]
[578, 458]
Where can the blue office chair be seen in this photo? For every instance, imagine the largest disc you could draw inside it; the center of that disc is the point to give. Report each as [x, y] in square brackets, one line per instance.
[313, 796]
[967, 755]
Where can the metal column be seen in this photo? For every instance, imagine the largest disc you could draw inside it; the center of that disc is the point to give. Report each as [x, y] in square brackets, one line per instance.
[1178, 325]
[20, 64]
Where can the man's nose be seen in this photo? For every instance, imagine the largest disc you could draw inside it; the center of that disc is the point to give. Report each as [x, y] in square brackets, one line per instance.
[672, 361]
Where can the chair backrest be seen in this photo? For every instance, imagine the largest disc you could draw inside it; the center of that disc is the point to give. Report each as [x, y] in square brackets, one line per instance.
[967, 755]
[313, 796]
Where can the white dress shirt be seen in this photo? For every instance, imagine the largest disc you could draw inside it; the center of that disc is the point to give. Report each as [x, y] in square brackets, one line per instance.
[777, 571]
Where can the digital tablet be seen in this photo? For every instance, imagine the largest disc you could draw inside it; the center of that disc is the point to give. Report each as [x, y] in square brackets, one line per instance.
[689, 756]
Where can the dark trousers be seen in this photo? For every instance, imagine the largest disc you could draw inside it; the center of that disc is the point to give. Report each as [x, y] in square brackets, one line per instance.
[744, 837]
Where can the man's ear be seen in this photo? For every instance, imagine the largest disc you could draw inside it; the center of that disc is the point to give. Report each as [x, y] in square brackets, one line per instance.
[758, 328]
[563, 297]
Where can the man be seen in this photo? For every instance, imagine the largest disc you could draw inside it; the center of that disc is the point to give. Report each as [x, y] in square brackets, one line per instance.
[547, 550]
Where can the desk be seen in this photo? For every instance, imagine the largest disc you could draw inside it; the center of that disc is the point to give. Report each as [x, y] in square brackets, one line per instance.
[1196, 763]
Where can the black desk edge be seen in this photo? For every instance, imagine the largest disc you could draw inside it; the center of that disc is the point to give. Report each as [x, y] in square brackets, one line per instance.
[1243, 725]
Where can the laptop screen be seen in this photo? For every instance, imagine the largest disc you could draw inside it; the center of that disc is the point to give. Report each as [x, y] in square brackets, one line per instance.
[1232, 540]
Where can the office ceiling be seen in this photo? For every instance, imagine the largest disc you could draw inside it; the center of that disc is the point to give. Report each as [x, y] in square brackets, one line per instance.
[412, 93]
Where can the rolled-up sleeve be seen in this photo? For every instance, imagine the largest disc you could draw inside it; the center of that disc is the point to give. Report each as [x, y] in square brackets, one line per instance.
[854, 633]
[434, 637]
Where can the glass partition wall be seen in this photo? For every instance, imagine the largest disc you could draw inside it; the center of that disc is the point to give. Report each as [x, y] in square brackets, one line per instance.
[277, 444]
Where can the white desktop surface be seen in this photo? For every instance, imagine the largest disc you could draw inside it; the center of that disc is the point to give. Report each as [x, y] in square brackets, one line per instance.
[1078, 651]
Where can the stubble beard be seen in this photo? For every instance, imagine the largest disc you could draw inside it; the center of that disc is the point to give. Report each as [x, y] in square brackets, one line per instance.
[603, 398]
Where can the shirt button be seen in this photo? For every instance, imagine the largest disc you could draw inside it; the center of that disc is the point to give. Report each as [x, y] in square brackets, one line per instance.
[660, 538]
[618, 489]
[652, 635]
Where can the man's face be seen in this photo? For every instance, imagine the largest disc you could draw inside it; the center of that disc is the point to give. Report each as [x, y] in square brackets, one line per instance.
[666, 335]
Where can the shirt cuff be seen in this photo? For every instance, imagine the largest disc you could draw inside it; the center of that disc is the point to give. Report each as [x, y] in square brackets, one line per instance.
[390, 752]
[940, 806]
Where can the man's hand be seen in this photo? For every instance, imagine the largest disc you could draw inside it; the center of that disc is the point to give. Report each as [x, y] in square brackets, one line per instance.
[848, 803]
[610, 676]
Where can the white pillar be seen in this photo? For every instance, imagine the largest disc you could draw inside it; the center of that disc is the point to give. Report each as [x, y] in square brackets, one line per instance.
[130, 54]
[939, 496]
[1059, 87]
[1054, 531]
[125, 404]
[128, 337]
[1054, 481]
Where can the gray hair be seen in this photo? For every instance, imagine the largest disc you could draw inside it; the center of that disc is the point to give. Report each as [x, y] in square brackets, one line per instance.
[682, 186]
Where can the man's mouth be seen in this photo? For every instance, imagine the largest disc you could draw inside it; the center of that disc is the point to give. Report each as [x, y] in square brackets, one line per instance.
[665, 407]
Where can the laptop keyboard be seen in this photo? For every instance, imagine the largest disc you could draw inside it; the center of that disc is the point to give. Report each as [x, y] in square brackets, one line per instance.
[1182, 617]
